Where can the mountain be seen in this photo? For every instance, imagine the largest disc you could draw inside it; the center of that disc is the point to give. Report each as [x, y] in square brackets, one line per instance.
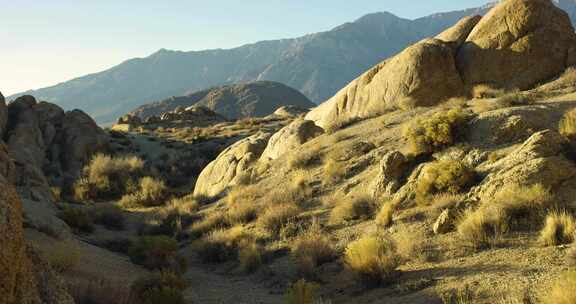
[254, 99]
[317, 64]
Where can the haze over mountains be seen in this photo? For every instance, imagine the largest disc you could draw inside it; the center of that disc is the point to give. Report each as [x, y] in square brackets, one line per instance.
[316, 64]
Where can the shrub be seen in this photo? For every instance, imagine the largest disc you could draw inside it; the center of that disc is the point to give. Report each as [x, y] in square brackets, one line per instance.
[372, 259]
[250, 256]
[384, 216]
[151, 192]
[560, 228]
[354, 208]
[444, 176]
[567, 125]
[486, 91]
[304, 159]
[241, 204]
[562, 291]
[481, 228]
[301, 292]
[94, 291]
[513, 99]
[159, 288]
[435, 132]
[56, 193]
[63, 256]
[334, 171]
[173, 219]
[220, 245]
[211, 222]
[154, 252]
[110, 216]
[312, 248]
[412, 245]
[119, 245]
[106, 176]
[78, 219]
[276, 217]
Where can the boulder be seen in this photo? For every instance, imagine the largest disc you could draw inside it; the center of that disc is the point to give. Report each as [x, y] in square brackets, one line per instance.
[129, 120]
[458, 33]
[391, 170]
[49, 112]
[25, 139]
[230, 164]
[289, 111]
[518, 44]
[290, 138]
[444, 222]
[81, 138]
[539, 160]
[26, 277]
[424, 73]
[3, 116]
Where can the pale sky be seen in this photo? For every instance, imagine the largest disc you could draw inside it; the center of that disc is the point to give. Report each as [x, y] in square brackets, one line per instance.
[44, 42]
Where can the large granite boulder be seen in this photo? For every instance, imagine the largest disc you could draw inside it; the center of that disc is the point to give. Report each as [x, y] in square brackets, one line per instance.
[424, 73]
[518, 44]
[391, 170]
[3, 115]
[230, 164]
[458, 33]
[290, 138]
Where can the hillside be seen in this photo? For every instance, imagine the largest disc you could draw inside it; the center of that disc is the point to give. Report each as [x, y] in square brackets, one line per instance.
[316, 65]
[256, 99]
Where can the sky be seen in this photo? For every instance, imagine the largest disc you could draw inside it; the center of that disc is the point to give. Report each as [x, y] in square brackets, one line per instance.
[45, 42]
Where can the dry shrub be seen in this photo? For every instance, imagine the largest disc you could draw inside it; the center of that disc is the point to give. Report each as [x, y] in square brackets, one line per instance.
[430, 134]
[567, 125]
[241, 203]
[487, 91]
[384, 216]
[312, 248]
[106, 177]
[78, 219]
[562, 291]
[110, 216]
[516, 98]
[249, 256]
[56, 193]
[412, 245]
[172, 219]
[444, 176]
[560, 228]
[98, 291]
[304, 159]
[155, 252]
[334, 171]
[63, 256]
[372, 259]
[151, 192]
[276, 217]
[513, 208]
[213, 221]
[159, 288]
[220, 245]
[302, 292]
[353, 208]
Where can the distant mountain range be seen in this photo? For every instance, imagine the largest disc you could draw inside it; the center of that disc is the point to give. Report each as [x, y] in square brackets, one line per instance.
[317, 64]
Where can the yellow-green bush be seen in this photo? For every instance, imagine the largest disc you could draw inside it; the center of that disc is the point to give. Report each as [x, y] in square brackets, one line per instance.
[435, 132]
[562, 291]
[372, 259]
[312, 249]
[220, 245]
[334, 171]
[151, 192]
[560, 228]
[567, 125]
[444, 176]
[276, 217]
[250, 256]
[353, 208]
[384, 216]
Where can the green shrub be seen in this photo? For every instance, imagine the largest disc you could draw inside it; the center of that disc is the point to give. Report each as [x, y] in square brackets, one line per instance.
[78, 219]
[444, 176]
[302, 292]
[567, 125]
[372, 259]
[159, 288]
[433, 133]
[154, 252]
[353, 208]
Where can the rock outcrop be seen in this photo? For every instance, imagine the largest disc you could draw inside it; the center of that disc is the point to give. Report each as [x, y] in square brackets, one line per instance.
[460, 31]
[289, 111]
[387, 181]
[3, 115]
[231, 164]
[290, 138]
[26, 278]
[518, 44]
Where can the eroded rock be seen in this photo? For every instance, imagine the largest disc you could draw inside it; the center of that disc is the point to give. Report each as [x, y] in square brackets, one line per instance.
[291, 137]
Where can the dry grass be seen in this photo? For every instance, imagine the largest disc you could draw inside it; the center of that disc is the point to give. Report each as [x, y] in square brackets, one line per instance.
[372, 259]
[95, 291]
[312, 248]
[482, 228]
[159, 287]
[334, 171]
[155, 252]
[78, 219]
[304, 159]
[412, 245]
[567, 125]
[276, 217]
[151, 192]
[384, 216]
[562, 291]
[435, 132]
[212, 221]
[444, 176]
[487, 91]
[63, 256]
[560, 228]
[302, 292]
[353, 208]
[241, 203]
[221, 245]
[250, 256]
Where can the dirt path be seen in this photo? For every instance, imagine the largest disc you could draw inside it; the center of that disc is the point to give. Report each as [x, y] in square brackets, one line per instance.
[211, 287]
